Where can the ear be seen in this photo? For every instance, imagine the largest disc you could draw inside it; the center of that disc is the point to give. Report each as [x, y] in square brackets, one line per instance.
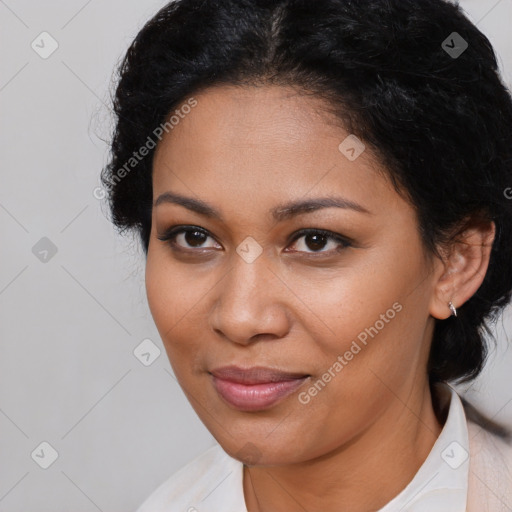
[464, 265]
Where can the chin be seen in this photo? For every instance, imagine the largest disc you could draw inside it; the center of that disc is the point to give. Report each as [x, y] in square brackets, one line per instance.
[261, 452]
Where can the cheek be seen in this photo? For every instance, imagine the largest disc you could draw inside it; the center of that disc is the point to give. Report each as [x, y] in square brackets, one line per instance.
[159, 291]
[166, 300]
[368, 330]
[338, 308]
[171, 291]
[174, 299]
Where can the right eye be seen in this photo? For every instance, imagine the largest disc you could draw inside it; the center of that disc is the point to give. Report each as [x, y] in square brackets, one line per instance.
[185, 238]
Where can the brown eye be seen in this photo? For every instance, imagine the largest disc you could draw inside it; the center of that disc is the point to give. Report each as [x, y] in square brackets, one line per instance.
[317, 239]
[186, 237]
[195, 238]
[315, 242]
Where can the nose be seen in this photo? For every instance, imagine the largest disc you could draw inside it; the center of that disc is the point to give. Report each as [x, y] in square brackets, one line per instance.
[251, 303]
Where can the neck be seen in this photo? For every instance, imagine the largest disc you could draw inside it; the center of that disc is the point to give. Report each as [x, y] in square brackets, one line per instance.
[365, 473]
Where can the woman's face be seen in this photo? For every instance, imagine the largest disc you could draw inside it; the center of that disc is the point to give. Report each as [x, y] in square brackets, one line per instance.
[352, 314]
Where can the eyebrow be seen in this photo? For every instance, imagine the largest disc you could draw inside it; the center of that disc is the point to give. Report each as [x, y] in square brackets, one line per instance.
[279, 213]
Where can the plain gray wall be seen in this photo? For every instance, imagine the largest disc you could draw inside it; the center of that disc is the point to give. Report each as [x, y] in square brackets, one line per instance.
[69, 325]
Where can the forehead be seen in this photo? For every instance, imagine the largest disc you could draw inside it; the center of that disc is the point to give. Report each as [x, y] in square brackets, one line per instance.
[229, 116]
[265, 142]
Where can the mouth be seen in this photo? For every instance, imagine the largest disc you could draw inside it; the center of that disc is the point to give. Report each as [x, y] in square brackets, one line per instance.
[256, 388]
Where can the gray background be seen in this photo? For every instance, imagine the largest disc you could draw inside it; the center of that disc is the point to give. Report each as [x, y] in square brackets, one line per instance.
[69, 323]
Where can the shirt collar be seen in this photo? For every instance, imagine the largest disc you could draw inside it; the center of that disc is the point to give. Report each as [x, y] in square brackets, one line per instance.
[441, 483]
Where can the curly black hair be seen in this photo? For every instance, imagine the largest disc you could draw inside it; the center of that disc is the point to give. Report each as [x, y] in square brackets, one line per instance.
[415, 80]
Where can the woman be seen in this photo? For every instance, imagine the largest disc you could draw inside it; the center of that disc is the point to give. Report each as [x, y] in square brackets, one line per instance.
[322, 191]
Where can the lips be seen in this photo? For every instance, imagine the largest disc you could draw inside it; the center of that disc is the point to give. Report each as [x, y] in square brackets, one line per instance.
[255, 374]
[255, 388]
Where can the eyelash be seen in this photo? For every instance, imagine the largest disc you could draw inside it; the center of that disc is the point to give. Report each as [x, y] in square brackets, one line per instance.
[169, 236]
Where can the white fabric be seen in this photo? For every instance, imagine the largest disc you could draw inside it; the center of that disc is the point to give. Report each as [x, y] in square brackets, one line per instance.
[441, 483]
[213, 482]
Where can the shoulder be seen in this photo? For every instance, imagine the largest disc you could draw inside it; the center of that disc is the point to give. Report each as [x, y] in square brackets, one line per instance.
[211, 478]
[490, 476]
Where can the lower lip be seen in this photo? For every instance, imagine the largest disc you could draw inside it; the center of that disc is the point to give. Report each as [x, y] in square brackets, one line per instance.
[255, 397]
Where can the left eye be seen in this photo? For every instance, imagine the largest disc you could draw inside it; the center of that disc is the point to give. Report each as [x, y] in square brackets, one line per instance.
[317, 239]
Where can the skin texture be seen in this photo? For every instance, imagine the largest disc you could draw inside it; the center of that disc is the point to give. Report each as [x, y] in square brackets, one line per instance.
[300, 304]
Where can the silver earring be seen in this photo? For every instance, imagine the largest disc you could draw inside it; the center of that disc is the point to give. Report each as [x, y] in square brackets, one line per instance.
[452, 308]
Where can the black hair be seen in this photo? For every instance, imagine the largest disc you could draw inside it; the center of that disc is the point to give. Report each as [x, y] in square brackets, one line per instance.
[415, 80]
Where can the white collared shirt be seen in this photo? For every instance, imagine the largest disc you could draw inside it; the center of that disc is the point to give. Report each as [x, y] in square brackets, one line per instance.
[441, 483]
[213, 481]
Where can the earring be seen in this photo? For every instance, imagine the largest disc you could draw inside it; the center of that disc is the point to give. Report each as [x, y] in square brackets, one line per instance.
[452, 308]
